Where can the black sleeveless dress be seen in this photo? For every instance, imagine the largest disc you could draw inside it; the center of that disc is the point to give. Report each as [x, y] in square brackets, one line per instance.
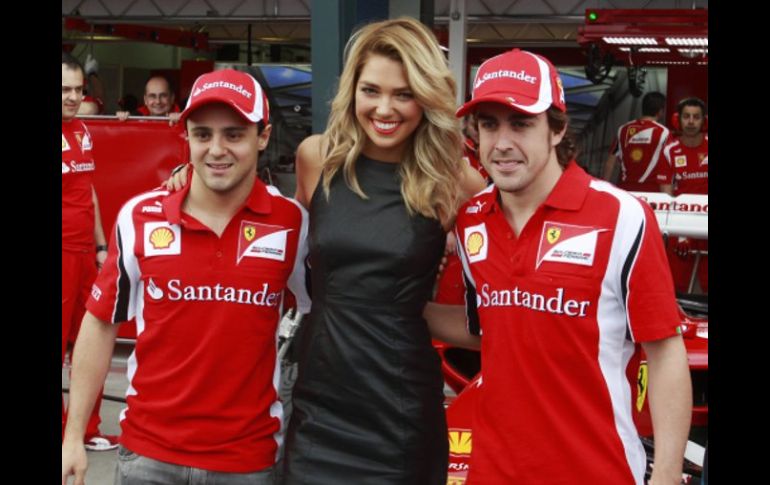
[368, 400]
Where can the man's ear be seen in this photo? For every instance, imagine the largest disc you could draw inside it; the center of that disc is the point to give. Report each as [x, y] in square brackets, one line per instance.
[264, 137]
[557, 137]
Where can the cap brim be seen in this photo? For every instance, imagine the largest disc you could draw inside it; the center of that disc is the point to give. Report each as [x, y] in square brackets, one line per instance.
[531, 109]
[197, 105]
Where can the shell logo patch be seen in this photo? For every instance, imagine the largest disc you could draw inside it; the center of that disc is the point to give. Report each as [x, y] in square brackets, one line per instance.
[262, 241]
[476, 244]
[680, 161]
[641, 386]
[162, 239]
[567, 243]
[636, 154]
[460, 442]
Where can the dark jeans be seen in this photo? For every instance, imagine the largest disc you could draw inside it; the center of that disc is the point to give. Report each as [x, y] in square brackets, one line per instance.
[135, 469]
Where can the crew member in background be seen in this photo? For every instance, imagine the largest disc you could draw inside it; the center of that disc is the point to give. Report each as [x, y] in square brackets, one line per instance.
[639, 148]
[158, 101]
[84, 247]
[687, 159]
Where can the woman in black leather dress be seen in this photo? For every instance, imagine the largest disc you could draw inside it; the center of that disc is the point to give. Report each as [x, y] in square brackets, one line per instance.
[382, 185]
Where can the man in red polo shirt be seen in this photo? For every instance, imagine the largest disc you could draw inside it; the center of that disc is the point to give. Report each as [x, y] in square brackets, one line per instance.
[203, 271]
[566, 276]
[84, 247]
[687, 159]
[639, 148]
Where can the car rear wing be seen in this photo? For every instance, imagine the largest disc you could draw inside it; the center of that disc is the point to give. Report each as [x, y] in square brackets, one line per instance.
[685, 215]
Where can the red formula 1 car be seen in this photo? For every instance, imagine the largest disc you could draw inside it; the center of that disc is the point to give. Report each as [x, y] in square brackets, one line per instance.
[686, 216]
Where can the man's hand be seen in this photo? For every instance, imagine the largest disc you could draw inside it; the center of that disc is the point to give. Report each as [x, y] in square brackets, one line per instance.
[73, 462]
[101, 257]
[91, 66]
[683, 247]
[173, 118]
[178, 178]
[122, 115]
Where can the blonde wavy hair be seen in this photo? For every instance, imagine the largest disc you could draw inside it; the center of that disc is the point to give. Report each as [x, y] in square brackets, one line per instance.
[431, 168]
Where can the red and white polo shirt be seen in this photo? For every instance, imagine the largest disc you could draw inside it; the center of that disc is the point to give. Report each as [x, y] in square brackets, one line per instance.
[639, 146]
[690, 166]
[77, 173]
[203, 378]
[562, 308]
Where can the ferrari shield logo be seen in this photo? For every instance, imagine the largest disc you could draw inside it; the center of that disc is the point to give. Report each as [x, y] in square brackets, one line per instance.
[641, 386]
[553, 234]
[249, 232]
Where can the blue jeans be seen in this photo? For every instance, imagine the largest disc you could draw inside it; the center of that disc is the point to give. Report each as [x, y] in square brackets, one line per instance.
[135, 469]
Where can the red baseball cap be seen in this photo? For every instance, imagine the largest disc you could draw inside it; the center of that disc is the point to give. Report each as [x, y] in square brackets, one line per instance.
[234, 88]
[522, 80]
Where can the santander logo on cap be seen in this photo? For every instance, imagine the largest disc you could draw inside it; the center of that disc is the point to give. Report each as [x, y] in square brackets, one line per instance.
[235, 88]
[522, 80]
[222, 84]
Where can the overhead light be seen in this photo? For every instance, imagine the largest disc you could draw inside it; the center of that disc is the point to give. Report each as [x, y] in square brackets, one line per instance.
[631, 40]
[625, 49]
[670, 63]
[688, 41]
[658, 50]
[693, 52]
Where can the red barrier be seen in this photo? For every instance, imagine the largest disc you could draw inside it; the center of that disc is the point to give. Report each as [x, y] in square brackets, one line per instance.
[132, 157]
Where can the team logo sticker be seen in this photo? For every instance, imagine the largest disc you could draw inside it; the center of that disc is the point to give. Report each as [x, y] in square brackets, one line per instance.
[680, 161]
[64, 143]
[567, 243]
[85, 143]
[460, 442]
[476, 242]
[643, 137]
[641, 386]
[475, 208]
[162, 239]
[262, 241]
